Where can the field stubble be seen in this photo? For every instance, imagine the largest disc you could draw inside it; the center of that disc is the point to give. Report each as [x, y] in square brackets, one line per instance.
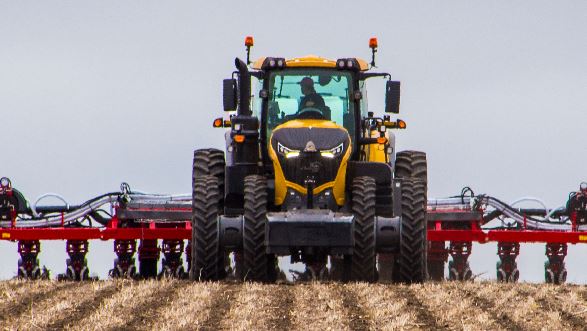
[183, 305]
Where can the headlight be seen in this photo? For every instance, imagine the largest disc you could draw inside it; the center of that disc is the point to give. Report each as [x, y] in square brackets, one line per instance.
[336, 151]
[286, 151]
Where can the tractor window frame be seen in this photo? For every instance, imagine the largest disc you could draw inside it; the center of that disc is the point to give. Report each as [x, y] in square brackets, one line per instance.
[346, 103]
[258, 84]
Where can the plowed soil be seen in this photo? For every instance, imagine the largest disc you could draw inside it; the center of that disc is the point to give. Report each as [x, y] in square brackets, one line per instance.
[184, 305]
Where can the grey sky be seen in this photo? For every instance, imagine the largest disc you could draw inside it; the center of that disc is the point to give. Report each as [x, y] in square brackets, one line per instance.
[96, 93]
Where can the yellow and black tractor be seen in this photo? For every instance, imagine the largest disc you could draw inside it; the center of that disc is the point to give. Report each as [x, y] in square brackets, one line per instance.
[309, 172]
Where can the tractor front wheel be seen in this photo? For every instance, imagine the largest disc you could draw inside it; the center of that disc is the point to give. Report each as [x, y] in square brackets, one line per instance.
[257, 264]
[206, 260]
[413, 246]
[363, 266]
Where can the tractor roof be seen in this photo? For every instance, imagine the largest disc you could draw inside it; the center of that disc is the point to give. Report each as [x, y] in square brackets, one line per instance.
[310, 61]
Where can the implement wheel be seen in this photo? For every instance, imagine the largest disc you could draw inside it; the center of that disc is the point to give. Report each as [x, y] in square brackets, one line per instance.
[436, 270]
[207, 263]
[257, 264]
[148, 268]
[413, 245]
[363, 266]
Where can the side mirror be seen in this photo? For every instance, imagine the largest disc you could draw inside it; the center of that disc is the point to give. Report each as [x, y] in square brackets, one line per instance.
[392, 96]
[229, 94]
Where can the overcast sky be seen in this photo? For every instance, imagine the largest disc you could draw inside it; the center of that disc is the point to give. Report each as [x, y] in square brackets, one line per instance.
[96, 93]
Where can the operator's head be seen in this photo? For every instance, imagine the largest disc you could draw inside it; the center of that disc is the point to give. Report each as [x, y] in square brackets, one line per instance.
[307, 85]
[583, 187]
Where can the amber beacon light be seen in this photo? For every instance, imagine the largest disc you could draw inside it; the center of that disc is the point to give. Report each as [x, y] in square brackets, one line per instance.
[373, 46]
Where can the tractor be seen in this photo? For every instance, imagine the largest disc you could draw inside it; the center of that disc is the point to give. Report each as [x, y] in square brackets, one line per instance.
[308, 172]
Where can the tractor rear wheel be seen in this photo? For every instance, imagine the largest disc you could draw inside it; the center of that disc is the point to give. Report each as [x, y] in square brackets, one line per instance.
[363, 266]
[257, 264]
[413, 245]
[207, 263]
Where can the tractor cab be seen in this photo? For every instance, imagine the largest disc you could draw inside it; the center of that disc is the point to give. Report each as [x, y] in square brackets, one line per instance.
[310, 87]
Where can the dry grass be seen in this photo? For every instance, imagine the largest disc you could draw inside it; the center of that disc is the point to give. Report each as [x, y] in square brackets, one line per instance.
[386, 307]
[183, 305]
[318, 307]
[189, 309]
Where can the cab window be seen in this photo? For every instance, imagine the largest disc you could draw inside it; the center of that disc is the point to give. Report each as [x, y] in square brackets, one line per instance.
[310, 93]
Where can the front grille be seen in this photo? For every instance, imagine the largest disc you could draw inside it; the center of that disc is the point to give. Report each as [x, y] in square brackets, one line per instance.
[310, 165]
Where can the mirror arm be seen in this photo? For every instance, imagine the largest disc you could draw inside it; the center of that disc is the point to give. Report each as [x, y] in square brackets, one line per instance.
[366, 75]
[258, 74]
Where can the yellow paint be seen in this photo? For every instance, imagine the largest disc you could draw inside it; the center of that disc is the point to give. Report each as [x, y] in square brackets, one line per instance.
[310, 61]
[296, 124]
[340, 179]
[582, 237]
[363, 65]
[5, 235]
[257, 64]
[281, 184]
[377, 152]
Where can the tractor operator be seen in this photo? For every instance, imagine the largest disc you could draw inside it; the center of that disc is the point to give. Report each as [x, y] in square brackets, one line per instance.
[311, 99]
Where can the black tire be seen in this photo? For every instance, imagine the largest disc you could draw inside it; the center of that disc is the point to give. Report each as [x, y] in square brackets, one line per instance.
[206, 262]
[210, 161]
[363, 266]
[411, 164]
[413, 243]
[257, 265]
[412, 168]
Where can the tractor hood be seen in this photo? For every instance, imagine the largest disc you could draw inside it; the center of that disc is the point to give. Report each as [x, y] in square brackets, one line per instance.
[309, 149]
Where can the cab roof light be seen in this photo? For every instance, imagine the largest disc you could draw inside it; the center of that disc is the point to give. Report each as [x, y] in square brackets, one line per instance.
[273, 63]
[350, 63]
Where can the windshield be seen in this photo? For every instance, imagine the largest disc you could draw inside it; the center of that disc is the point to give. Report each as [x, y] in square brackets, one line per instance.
[310, 94]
